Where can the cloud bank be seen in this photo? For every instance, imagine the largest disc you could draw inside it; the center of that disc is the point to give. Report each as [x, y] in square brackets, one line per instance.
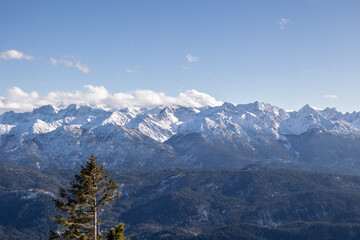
[19, 101]
[14, 54]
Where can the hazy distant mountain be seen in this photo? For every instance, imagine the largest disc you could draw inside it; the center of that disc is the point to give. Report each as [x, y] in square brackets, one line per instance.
[227, 136]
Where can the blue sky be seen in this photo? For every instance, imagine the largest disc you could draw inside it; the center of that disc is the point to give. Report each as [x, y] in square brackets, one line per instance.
[285, 52]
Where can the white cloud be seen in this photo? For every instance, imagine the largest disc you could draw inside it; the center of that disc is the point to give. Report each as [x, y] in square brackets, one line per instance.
[191, 58]
[54, 61]
[282, 22]
[331, 96]
[82, 67]
[132, 70]
[14, 54]
[70, 63]
[20, 101]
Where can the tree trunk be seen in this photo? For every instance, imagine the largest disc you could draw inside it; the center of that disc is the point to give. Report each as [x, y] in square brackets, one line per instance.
[95, 220]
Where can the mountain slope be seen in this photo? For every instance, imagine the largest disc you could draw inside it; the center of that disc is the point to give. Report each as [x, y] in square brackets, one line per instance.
[163, 137]
[195, 203]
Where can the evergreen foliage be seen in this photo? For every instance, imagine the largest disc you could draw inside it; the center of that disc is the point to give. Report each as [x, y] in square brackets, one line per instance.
[79, 205]
[117, 233]
[111, 234]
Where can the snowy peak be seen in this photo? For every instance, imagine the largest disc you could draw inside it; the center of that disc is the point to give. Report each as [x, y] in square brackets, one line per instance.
[307, 109]
[161, 123]
[308, 117]
[227, 107]
[47, 110]
[331, 113]
[138, 138]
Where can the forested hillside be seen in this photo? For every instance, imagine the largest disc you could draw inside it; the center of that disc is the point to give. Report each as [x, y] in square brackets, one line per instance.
[255, 202]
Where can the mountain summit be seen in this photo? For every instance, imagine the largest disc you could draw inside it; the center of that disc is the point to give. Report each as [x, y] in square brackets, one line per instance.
[226, 136]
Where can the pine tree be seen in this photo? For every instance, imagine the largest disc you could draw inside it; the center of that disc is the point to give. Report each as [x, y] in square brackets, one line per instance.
[111, 234]
[117, 234]
[79, 205]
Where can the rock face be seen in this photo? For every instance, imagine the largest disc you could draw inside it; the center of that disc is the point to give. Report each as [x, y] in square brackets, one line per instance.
[227, 136]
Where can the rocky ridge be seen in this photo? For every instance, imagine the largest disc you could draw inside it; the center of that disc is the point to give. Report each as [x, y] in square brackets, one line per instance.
[162, 137]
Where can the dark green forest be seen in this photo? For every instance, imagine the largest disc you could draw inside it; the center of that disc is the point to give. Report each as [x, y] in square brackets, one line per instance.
[252, 203]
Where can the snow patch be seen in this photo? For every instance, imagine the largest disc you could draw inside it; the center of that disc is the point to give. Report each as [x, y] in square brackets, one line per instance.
[5, 128]
[41, 127]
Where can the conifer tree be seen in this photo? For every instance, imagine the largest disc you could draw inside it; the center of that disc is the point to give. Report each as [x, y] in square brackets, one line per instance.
[117, 233]
[79, 205]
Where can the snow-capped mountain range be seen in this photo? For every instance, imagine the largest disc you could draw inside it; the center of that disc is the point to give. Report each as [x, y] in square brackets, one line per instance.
[177, 136]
